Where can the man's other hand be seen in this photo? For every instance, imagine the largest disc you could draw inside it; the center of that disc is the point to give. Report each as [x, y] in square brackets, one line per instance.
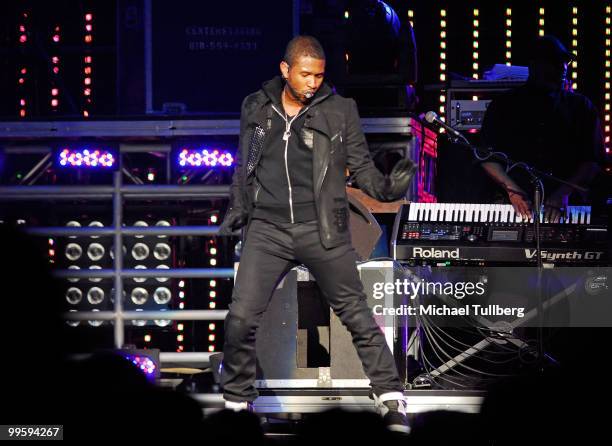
[399, 179]
[233, 221]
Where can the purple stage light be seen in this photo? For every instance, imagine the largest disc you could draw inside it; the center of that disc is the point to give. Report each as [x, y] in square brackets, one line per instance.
[86, 157]
[144, 364]
[204, 158]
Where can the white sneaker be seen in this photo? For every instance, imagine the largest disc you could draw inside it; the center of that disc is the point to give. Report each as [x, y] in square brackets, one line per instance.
[237, 407]
[392, 407]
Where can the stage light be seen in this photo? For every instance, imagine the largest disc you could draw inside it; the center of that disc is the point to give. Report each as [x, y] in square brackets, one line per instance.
[508, 36]
[140, 223]
[95, 279]
[212, 305]
[162, 251]
[162, 223]
[607, 62]
[89, 156]
[139, 322]
[205, 158]
[162, 279]
[212, 326]
[475, 43]
[74, 296]
[140, 251]
[95, 295]
[95, 323]
[180, 327]
[180, 338]
[140, 279]
[111, 251]
[213, 283]
[147, 338]
[73, 251]
[73, 279]
[162, 322]
[73, 323]
[95, 252]
[145, 363]
[541, 12]
[574, 64]
[162, 296]
[211, 348]
[139, 296]
[443, 67]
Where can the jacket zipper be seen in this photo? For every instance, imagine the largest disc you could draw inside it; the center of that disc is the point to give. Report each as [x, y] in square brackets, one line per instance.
[286, 137]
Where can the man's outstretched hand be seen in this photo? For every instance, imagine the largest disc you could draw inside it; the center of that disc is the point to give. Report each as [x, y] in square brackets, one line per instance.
[399, 179]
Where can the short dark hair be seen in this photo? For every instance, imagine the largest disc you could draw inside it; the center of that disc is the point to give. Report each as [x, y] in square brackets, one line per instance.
[303, 46]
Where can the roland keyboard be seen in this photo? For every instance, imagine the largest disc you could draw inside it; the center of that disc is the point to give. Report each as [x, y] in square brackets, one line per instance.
[493, 234]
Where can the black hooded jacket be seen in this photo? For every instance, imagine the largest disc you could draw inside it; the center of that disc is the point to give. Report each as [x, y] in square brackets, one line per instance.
[331, 130]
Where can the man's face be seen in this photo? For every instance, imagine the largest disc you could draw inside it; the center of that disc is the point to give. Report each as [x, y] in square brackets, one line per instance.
[304, 77]
[552, 73]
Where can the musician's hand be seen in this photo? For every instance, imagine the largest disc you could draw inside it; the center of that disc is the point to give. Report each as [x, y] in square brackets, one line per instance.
[554, 207]
[520, 202]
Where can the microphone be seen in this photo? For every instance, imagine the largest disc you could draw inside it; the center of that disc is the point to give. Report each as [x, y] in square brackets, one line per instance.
[433, 118]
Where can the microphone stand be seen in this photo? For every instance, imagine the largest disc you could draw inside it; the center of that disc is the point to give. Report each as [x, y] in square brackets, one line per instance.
[537, 213]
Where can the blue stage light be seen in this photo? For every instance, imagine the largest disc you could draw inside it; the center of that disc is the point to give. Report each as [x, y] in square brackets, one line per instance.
[87, 157]
[204, 158]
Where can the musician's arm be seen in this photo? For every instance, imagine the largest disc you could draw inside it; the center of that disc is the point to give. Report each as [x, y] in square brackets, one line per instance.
[517, 196]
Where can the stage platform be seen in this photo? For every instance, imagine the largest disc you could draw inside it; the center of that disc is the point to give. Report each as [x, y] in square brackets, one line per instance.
[286, 402]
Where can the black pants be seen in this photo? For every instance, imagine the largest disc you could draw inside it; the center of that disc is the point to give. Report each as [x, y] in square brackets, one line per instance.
[270, 251]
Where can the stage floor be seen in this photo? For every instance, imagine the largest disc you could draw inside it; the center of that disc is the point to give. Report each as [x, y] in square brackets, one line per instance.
[304, 401]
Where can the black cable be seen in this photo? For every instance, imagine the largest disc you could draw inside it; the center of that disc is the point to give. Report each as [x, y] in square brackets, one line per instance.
[461, 363]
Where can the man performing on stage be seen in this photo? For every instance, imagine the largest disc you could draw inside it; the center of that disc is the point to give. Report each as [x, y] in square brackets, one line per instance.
[552, 129]
[296, 139]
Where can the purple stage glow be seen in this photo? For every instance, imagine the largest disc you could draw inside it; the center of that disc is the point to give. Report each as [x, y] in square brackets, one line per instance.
[86, 157]
[144, 363]
[205, 157]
